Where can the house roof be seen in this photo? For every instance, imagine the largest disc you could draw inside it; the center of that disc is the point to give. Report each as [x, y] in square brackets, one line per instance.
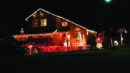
[61, 18]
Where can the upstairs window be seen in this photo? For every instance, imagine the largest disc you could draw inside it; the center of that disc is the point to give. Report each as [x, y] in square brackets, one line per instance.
[35, 23]
[64, 24]
[43, 22]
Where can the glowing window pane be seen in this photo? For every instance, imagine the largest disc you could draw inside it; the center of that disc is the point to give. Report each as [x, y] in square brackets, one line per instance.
[77, 29]
[64, 24]
[43, 22]
[35, 23]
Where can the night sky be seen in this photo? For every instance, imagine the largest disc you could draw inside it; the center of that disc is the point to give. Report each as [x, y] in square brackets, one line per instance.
[93, 14]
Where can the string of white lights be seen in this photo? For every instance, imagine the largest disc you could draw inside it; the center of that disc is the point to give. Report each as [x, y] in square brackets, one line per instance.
[59, 17]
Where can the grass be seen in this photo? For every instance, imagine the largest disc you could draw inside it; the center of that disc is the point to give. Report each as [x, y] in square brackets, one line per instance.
[76, 53]
[82, 56]
[122, 51]
[114, 54]
[110, 59]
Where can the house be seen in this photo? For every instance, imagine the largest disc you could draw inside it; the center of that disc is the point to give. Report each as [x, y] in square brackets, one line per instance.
[46, 29]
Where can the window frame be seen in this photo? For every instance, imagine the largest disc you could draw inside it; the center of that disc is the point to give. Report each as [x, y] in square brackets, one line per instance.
[41, 22]
[34, 21]
[64, 25]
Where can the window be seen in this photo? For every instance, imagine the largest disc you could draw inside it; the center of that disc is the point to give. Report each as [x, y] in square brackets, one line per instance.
[43, 22]
[77, 29]
[64, 24]
[35, 23]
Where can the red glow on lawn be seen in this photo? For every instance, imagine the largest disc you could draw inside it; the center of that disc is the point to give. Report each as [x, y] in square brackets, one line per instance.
[49, 49]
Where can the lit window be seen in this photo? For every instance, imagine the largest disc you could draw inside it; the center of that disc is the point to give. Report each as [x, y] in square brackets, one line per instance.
[64, 24]
[77, 29]
[43, 22]
[35, 22]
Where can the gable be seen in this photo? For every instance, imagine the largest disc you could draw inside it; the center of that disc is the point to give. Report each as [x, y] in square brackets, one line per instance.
[39, 14]
[45, 13]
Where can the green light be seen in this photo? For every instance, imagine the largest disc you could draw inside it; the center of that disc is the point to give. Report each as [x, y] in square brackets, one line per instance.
[108, 1]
